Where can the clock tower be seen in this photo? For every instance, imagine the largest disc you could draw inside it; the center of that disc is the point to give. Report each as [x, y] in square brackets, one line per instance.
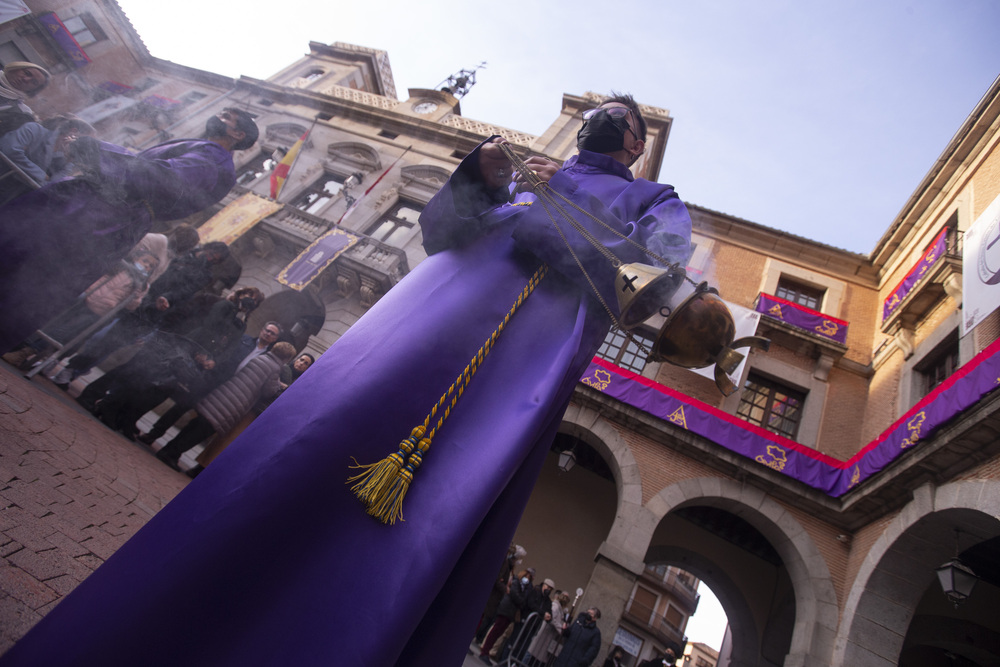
[435, 104]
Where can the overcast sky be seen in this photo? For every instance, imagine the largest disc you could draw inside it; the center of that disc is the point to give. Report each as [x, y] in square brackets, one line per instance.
[815, 118]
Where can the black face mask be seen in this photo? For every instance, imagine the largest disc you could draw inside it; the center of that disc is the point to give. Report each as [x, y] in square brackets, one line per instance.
[247, 304]
[602, 133]
[214, 127]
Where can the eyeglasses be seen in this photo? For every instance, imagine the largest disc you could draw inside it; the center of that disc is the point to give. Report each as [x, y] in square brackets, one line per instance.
[614, 112]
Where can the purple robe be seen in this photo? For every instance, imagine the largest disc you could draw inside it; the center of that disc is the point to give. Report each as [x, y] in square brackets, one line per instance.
[59, 239]
[268, 558]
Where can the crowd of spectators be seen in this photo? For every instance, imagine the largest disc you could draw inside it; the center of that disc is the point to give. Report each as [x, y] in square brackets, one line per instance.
[188, 345]
[167, 305]
[534, 622]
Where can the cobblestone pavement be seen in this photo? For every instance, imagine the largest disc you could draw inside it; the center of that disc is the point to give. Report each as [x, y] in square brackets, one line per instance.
[71, 492]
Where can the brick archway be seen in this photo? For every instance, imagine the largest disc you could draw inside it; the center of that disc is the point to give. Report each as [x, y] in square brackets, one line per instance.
[900, 565]
[592, 429]
[745, 641]
[816, 612]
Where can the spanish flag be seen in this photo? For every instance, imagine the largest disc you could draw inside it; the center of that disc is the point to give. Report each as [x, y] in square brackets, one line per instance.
[280, 173]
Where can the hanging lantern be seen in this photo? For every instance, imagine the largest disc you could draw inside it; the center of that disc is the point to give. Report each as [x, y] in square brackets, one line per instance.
[567, 459]
[957, 580]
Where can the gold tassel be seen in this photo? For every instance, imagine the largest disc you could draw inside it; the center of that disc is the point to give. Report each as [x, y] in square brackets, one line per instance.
[378, 477]
[389, 506]
[382, 486]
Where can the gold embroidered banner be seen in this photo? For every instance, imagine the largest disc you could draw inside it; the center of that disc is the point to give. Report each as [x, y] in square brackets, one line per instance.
[319, 255]
[237, 218]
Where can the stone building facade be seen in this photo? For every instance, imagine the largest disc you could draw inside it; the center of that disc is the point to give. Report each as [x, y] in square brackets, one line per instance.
[836, 572]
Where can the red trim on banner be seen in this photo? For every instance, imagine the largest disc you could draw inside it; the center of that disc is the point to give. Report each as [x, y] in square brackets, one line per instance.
[724, 416]
[915, 266]
[799, 306]
[989, 351]
[973, 363]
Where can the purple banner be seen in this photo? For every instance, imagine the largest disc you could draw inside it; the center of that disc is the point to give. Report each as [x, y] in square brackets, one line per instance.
[64, 39]
[114, 87]
[804, 318]
[832, 476]
[319, 255]
[931, 255]
[161, 102]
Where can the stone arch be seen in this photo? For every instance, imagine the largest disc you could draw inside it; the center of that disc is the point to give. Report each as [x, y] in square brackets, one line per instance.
[358, 155]
[816, 611]
[741, 622]
[588, 426]
[901, 562]
[284, 133]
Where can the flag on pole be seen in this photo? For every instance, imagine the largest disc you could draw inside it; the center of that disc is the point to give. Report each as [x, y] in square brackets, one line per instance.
[280, 173]
[354, 204]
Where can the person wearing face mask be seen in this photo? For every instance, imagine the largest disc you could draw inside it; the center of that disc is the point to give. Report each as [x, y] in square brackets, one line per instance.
[277, 501]
[582, 641]
[100, 214]
[511, 607]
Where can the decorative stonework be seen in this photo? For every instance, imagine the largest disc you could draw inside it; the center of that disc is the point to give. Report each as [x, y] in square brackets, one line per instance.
[387, 195]
[262, 244]
[361, 97]
[347, 282]
[645, 109]
[486, 130]
[370, 292]
[356, 154]
[284, 133]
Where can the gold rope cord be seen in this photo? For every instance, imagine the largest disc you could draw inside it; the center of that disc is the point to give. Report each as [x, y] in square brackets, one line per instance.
[550, 198]
[382, 486]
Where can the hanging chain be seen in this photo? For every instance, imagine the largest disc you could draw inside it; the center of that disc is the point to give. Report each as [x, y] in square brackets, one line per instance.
[546, 195]
[542, 190]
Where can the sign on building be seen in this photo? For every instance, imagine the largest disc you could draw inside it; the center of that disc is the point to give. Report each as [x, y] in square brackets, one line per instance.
[981, 268]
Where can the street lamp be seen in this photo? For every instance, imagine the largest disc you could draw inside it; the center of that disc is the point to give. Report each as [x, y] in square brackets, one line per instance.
[957, 579]
[567, 459]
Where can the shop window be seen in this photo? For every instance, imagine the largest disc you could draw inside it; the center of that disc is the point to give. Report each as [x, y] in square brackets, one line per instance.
[394, 228]
[771, 405]
[804, 295]
[319, 194]
[619, 350]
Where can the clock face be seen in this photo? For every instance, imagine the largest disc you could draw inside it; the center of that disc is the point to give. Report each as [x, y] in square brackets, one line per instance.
[425, 107]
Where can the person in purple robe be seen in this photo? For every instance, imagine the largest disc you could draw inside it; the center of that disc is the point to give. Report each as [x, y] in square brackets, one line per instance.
[269, 558]
[58, 239]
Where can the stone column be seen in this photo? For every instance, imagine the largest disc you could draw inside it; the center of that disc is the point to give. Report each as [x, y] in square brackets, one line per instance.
[608, 589]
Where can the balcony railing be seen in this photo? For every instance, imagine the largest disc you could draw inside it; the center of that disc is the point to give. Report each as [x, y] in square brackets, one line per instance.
[662, 629]
[806, 319]
[938, 271]
[684, 593]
